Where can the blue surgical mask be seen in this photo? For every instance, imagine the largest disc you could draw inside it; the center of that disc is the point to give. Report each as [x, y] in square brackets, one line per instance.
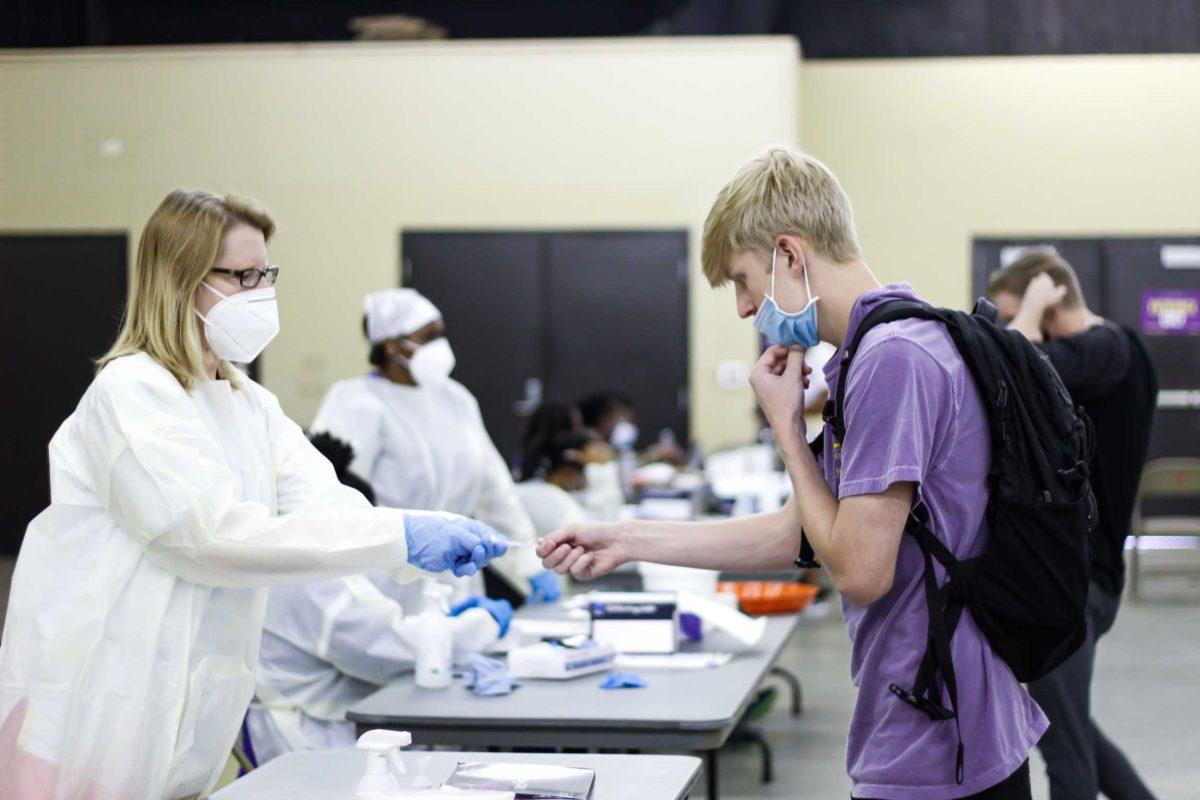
[783, 328]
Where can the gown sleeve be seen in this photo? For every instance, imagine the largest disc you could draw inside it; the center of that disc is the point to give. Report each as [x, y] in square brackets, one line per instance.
[160, 475]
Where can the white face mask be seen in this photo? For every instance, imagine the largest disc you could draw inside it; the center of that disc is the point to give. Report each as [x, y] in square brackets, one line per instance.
[240, 326]
[430, 364]
[624, 434]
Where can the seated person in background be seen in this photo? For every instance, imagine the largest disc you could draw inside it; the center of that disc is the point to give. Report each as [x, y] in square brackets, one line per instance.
[340, 455]
[549, 420]
[1106, 368]
[419, 438]
[602, 495]
[554, 473]
[614, 419]
[328, 644]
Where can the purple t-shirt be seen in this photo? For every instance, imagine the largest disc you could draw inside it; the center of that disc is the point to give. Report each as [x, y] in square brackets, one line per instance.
[913, 414]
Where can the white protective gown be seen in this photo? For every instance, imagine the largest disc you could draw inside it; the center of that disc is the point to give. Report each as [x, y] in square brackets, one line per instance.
[549, 506]
[135, 617]
[426, 448]
[327, 645]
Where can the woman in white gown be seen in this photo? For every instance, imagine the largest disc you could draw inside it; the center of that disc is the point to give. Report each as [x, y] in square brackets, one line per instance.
[178, 489]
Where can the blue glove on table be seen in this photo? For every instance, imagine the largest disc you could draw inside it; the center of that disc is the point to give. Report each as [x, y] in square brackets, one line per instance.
[487, 677]
[546, 588]
[623, 680]
[501, 610]
[438, 543]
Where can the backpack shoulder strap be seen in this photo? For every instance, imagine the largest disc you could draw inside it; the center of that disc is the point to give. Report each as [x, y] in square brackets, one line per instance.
[807, 558]
[885, 312]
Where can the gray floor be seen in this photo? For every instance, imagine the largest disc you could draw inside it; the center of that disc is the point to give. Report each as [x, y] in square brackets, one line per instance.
[1147, 698]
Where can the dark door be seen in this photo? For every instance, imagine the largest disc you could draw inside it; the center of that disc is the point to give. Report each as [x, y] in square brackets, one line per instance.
[1162, 303]
[63, 297]
[488, 288]
[617, 310]
[1085, 255]
[552, 315]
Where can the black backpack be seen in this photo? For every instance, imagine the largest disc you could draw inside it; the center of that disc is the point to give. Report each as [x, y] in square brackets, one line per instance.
[1028, 589]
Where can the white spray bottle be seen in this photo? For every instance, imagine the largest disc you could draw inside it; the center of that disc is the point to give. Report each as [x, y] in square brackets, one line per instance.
[435, 647]
[383, 763]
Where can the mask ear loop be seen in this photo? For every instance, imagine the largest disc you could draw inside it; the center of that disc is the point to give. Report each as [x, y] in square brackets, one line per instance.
[406, 361]
[217, 292]
[774, 252]
[807, 290]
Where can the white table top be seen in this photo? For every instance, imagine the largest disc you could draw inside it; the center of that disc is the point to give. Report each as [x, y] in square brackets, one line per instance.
[334, 774]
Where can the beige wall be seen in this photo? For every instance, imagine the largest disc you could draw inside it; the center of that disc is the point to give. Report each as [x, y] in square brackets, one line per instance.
[935, 151]
[350, 143]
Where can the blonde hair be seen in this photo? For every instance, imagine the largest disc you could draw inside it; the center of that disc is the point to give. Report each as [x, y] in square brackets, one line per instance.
[778, 192]
[179, 245]
[1015, 278]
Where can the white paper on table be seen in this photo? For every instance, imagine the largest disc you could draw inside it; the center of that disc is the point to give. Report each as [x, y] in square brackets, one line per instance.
[673, 660]
[746, 629]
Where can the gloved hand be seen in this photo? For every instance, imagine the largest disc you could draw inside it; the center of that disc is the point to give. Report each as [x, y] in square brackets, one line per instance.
[546, 588]
[440, 542]
[501, 610]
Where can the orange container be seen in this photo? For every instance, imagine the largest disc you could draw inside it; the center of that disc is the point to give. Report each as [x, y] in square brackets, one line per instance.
[771, 597]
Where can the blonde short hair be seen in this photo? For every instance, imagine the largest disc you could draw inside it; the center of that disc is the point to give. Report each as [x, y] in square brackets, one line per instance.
[179, 245]
[778, 192]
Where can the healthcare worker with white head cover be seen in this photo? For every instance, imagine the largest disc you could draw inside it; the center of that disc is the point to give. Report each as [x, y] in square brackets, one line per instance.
[178, 488]
[418, 435]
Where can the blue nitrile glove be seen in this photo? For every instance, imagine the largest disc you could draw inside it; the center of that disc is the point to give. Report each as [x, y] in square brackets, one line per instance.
[487, 676]
[546, 588]
[501, 610]
[623, 680]
[438, 542]
[691, 626]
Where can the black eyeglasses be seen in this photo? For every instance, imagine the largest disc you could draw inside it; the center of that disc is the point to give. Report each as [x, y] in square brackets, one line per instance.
[249, 278]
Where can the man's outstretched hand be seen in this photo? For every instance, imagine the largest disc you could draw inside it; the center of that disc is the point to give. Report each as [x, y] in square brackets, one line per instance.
[586, 550]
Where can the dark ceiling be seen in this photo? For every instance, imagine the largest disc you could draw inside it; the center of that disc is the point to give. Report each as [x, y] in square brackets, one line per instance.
[826, 28]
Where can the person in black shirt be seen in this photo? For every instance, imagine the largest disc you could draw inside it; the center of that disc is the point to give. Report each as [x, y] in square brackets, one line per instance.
[1108, 372]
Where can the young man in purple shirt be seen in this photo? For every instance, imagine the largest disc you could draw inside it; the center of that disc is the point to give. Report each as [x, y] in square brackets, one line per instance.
[783, 233]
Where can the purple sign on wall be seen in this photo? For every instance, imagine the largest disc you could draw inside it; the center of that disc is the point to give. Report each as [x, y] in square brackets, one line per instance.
[1168, 312]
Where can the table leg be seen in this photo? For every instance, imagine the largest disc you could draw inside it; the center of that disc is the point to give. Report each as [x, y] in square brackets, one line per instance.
[710, 769]
[794, 684]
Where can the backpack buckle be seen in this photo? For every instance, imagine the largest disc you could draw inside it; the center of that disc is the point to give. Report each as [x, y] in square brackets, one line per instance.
[934, 712]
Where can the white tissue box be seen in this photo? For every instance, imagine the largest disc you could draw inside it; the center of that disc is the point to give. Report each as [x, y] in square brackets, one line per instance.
[555, 662]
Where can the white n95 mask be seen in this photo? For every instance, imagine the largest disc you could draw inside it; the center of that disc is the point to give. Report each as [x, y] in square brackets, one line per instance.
[431, 363]
[624, 435]
[240, 326]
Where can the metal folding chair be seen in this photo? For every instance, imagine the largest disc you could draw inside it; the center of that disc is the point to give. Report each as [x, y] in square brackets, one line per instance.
[1162, 478]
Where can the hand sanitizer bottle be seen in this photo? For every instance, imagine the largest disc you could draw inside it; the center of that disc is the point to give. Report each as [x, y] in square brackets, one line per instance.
[383, 764]
[435, 647]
